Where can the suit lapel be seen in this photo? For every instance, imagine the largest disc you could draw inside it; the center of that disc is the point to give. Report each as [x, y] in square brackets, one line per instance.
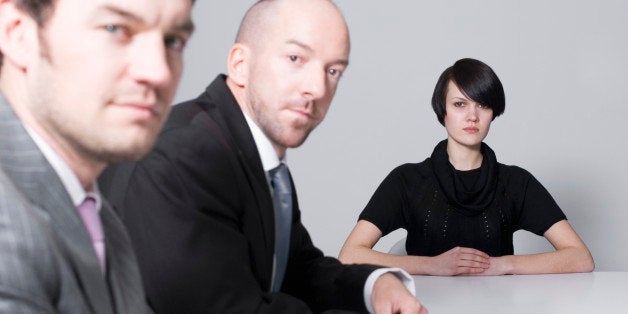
[123, 272]
[36, 179]
[229, 116]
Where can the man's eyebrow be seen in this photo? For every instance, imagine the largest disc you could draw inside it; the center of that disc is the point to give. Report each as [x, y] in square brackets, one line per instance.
[108, 8]
[187, 26]
[308, 48]
[300, 44]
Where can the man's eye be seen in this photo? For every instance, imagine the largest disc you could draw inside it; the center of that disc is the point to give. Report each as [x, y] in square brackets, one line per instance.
[334, 72]
[113, 28]
[175, 43]
[119, 32]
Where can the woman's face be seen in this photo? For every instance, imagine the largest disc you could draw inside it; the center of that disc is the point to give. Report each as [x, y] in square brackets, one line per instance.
[467, 121]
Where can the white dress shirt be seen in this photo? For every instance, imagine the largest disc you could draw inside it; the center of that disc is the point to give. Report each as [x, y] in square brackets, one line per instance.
[68, 178]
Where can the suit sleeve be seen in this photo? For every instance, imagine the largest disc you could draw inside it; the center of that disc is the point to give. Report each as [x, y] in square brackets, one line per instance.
[183, 208]
[323, 282]
[28, 273]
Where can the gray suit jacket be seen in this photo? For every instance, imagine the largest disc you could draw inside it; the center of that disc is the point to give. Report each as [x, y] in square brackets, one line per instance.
[47, 262]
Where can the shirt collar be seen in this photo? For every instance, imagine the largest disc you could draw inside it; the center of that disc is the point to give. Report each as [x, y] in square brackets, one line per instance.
[68, 178]
[267, 153]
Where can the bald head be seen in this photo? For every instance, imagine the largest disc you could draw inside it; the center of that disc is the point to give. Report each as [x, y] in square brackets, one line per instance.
[286, 64]
[265, 14]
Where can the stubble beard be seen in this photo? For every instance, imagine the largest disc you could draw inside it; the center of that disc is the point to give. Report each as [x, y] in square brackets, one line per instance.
[86, 141]
[278, 133]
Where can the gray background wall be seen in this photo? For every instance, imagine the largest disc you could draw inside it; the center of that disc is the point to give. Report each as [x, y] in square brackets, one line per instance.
[564, 68]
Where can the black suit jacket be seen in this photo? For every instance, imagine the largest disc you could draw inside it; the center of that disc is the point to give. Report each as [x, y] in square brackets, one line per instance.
[200, 215]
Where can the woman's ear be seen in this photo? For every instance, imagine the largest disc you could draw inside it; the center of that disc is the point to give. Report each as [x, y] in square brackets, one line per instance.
[18, 35]
[238, 64]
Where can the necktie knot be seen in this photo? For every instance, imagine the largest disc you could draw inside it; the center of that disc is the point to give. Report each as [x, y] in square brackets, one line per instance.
[280, 179]
[91, 220]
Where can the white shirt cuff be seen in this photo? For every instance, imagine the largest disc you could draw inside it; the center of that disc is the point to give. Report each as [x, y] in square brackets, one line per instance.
[405, 278]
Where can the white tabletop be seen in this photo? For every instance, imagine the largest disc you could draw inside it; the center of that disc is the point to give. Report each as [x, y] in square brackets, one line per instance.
[598, 292]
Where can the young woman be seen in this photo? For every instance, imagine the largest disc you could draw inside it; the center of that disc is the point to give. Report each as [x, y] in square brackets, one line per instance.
[460, 206]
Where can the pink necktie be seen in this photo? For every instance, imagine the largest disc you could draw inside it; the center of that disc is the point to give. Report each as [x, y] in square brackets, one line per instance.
[91, 220]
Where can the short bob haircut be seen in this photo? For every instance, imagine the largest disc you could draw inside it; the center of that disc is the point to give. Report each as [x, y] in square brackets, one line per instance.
[476, 80]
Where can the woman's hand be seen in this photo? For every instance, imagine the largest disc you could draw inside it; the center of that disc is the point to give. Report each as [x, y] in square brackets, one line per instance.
[498, 266]
[459, 261]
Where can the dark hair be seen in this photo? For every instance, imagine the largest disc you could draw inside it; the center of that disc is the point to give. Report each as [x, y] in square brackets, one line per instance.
[39, 10]
[476, 80]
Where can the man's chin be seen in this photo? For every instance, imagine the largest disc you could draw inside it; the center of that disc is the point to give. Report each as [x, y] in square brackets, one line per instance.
[289, 137]
[295, 141]
[122, 153]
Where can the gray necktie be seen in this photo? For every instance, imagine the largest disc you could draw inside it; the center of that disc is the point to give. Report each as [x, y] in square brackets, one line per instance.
[282, 203]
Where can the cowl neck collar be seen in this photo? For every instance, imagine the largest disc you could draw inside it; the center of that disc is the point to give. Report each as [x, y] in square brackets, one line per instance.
[469, 201]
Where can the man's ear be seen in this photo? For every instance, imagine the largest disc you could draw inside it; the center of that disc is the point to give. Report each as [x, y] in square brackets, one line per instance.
[18, 34]
[238, 64]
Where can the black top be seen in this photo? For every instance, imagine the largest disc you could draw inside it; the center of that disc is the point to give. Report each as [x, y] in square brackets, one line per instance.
[431, 205]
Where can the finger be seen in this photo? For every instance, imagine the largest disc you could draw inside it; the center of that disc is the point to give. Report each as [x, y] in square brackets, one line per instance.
[382, 308]
[471, 263]
[469, 270]
[474, 260]
[414, 310]
[412, 307]
[467, 250]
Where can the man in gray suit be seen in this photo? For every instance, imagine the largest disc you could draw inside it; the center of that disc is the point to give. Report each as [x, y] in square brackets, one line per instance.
[82, 84]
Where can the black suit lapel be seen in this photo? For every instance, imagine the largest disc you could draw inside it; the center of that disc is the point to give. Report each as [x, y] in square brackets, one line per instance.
[122, 270]
[229, 116]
